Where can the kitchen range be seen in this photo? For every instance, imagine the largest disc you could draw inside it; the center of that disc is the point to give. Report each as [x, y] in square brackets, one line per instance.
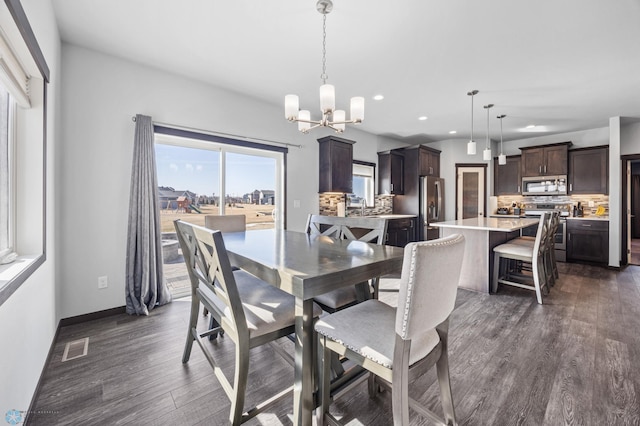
[536, 210]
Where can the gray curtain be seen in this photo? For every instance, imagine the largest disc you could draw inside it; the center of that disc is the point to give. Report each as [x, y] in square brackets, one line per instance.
[146, 287]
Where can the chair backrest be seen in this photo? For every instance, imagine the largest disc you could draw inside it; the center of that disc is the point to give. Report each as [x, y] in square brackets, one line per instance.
[226, 223]
[367, 229]
[208, 264]
[554, 221]
[542, 236]
[428, 284]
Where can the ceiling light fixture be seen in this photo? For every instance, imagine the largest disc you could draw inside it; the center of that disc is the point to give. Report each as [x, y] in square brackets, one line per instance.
[486, 154]
[502, 159]
[331, 117]
[422, 118]
[378, 97]
[471, 145]
[453, 132]
[530, 126]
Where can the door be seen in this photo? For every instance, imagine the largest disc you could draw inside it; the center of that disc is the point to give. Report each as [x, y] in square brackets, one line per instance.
[470, 191]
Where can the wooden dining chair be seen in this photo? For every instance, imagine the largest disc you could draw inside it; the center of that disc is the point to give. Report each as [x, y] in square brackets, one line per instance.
[249, 310]
[399, 345]
[504, 271]
[367, 229]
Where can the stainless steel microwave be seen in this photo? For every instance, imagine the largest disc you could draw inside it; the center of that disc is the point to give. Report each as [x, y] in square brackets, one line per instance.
[544, 185]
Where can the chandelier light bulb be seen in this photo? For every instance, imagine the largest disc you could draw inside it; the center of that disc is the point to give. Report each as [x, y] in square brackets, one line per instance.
[291, 107]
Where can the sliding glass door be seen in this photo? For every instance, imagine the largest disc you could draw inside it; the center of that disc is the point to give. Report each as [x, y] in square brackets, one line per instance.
[197, 178]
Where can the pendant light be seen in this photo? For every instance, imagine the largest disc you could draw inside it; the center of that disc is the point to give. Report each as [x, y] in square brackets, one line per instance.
[486, 154]
[502, 159]
[471, 146]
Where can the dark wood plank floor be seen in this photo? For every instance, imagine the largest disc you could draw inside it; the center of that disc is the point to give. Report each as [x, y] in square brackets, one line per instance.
[574, 360]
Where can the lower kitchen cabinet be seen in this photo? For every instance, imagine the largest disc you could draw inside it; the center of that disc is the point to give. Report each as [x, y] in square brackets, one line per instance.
[588, 240]
[400, 232]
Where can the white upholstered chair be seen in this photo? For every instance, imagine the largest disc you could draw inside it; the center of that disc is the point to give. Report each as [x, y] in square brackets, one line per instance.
[506, 271]
[249, 310]
[367, 229]
[398, 345]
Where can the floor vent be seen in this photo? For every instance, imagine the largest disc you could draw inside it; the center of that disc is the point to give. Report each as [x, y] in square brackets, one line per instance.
[75, 349]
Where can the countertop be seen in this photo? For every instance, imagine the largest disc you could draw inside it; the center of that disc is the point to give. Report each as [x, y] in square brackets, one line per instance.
[489, 224]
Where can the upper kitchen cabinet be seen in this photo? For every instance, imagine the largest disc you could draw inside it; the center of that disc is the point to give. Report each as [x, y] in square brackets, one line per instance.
[336, 164]
[507, 178]
[391, 173]
[429, 161]
[589, 170]
[545, 160]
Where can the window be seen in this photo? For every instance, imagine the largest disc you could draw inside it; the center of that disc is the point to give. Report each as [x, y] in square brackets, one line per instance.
[363, 184]
[211, 177]
[24, 75]
[7, 201]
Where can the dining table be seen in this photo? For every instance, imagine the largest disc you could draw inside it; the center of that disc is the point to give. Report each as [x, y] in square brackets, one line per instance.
[306, 266]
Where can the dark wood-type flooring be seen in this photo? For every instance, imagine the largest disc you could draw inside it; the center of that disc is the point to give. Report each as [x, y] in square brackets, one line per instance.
[574, 360]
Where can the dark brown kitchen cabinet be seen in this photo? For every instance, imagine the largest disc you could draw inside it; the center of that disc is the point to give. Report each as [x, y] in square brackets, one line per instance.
[336, 164]
[507, 178]
[429, 161]
[588, 240]
[401, 232]
[545, 160]
[589, 171]
[391, 173]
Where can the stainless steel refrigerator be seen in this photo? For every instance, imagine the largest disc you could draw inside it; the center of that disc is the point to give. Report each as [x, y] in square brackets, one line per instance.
[431, 206]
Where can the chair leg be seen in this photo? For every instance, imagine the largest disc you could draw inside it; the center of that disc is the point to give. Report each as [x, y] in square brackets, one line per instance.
[400, 385]
[536, 280]
[324, 382]
[496, 272]
[193, 322]
[442, 368]
[239, 384]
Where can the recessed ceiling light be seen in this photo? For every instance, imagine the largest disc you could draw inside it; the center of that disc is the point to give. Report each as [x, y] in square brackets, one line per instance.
[452, 132]
[378, 97]
[422, 118]
[531, 126]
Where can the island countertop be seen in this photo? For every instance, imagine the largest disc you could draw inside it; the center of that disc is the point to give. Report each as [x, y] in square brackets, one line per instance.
[488, 224]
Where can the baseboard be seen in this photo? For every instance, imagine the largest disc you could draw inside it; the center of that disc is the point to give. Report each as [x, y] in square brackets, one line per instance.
[79, 319]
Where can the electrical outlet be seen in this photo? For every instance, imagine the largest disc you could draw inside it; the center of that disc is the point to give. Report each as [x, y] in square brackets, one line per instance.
[103, 282]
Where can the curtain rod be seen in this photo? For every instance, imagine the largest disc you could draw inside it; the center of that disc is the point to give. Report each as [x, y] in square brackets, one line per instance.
[208, 132]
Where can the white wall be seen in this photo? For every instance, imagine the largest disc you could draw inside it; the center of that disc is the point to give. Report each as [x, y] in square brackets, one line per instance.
[28, 319]
[101, 94]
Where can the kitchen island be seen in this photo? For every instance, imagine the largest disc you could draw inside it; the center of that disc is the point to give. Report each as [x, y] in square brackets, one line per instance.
[482, 234]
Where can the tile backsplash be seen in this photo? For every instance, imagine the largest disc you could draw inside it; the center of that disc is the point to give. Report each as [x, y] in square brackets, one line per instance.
[595, 199]
[383, 204]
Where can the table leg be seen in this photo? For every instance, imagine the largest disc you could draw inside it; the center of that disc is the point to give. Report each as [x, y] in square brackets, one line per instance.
[304, 365]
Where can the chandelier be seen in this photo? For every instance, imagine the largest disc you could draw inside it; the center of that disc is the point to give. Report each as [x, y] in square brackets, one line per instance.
[331, 117]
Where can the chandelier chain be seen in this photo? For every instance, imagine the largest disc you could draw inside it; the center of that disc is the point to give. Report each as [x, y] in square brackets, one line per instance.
[324, 75]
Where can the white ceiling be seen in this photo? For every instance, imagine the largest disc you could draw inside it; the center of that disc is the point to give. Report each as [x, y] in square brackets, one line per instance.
[563, 65]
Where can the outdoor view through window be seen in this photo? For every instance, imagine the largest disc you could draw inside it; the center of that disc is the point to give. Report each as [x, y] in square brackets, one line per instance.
[190, 187]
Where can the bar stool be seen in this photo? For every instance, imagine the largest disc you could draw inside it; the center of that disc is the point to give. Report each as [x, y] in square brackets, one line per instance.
[550, 265]
[505, 273]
